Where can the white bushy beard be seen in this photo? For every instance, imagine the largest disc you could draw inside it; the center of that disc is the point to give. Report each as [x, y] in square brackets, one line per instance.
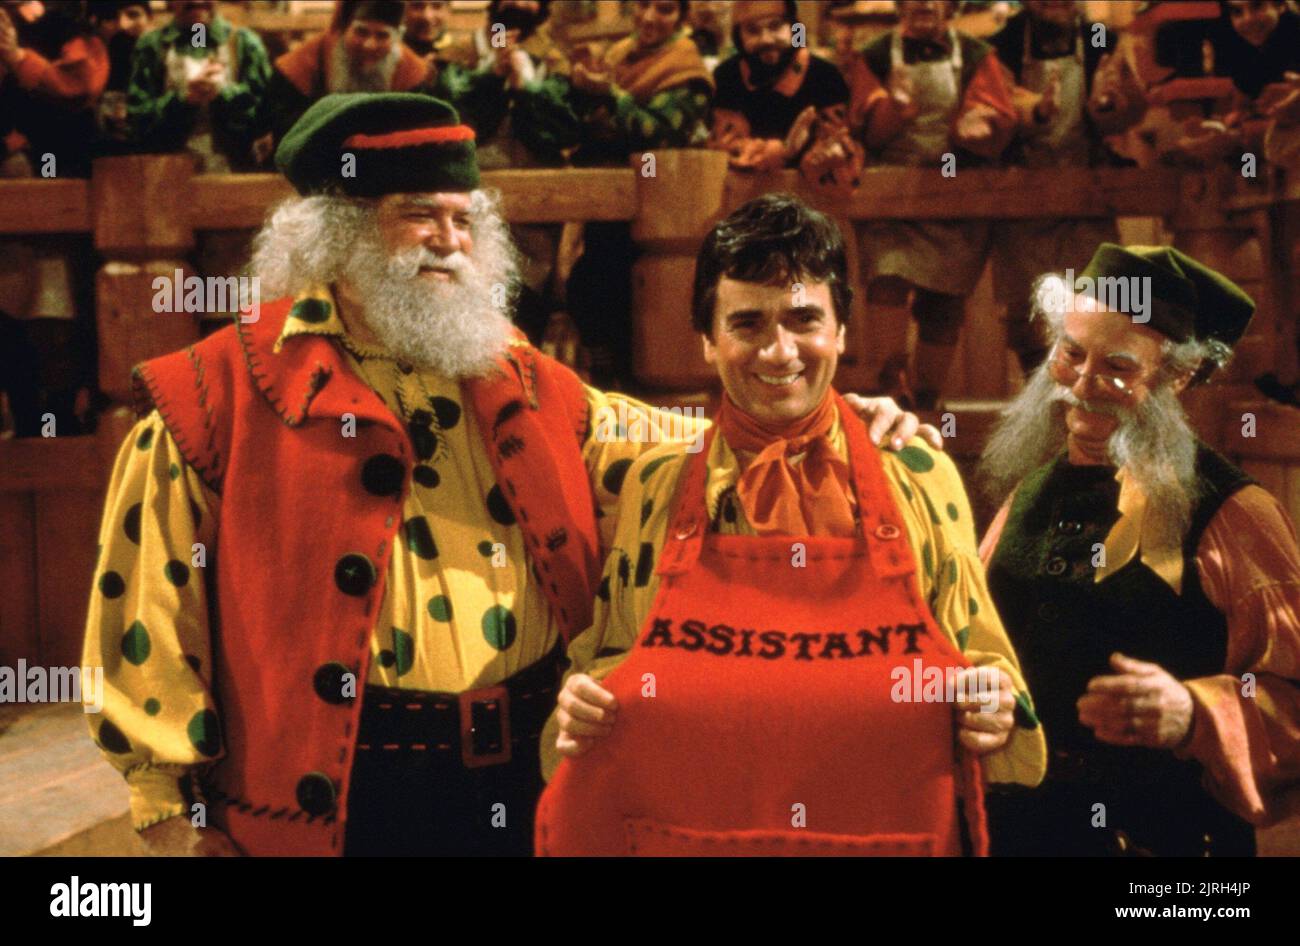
[1154, 444]
[456, 328]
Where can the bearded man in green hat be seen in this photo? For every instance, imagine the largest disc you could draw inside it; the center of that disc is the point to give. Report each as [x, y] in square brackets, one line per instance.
[343, 548]
[1151, 588]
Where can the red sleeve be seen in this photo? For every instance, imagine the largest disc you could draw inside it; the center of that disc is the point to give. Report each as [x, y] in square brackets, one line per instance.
[79, 74]
[989, 87]
[873, 115]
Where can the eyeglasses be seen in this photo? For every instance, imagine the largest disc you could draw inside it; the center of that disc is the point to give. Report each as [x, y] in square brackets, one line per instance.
[1066, 374]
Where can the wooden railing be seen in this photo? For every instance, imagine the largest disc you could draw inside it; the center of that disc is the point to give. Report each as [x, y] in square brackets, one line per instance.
[143, 213]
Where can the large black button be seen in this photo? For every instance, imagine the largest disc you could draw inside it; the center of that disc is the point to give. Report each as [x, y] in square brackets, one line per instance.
[316, 793]
[382, 475]
[1069, 527]
[1057, 565]
[354, 574]
[328, 681]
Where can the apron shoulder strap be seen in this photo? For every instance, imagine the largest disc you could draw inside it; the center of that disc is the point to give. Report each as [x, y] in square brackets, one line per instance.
[690, 515]
[882, 523]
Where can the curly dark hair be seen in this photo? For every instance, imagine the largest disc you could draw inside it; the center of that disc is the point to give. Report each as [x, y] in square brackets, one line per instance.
[772, 239]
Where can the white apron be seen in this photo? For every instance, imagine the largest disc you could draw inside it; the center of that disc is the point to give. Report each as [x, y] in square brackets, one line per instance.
[943, 256]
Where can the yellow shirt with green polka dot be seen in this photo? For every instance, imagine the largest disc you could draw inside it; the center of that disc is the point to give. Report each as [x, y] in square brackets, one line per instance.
[929, 494]
[461, 609]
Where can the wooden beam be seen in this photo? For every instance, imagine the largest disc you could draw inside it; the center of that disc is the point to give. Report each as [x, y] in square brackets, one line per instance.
[44, 206]
[36, 464]
[233, 202]
[561, 195]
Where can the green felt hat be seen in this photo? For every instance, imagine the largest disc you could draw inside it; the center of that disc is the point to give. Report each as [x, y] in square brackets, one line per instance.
[1187, 299]
[368, 144]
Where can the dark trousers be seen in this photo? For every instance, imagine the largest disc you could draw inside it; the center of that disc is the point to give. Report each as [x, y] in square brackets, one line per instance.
[411, 792]
[1057, 820]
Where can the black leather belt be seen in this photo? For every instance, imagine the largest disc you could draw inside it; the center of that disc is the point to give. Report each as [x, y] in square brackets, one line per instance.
[482, 727]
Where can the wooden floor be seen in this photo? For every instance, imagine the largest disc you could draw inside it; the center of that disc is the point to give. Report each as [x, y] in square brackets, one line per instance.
[58, 796]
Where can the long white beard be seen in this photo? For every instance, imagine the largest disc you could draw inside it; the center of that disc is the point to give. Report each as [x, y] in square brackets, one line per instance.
[457, 328]
[1154, 443]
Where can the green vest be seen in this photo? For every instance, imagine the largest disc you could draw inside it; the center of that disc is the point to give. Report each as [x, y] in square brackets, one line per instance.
[1065, 626]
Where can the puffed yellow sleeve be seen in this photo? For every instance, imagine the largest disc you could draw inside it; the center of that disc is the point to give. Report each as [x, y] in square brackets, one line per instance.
[628, 585]
[147, 625]
[622, 429]
[953, 581]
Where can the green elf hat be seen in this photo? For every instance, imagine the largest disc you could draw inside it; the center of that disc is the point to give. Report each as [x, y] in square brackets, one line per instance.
[368, 144]
[1186, 299]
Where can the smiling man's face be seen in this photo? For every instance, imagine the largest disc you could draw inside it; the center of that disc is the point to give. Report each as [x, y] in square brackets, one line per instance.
[776, 351]
[439, 221]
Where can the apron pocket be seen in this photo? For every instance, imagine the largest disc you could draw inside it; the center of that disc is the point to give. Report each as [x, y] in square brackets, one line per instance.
[649, 838]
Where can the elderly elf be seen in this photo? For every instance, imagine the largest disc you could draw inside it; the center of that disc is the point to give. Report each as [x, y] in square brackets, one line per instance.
[772, 601]
[343, 550]
[1151, 589]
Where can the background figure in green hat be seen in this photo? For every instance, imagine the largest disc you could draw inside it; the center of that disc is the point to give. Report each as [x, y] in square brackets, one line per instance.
[411, 503]
[1151, 589]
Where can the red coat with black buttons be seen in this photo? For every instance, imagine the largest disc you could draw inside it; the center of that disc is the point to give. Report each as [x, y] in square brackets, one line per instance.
[305, 529]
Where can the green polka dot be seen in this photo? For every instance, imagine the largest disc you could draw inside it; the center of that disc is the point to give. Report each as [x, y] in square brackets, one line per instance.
[962, 637]
[499, 627]
[177, 572]
[952, 571]
[440, 608]
[927, 557]
[135, 644]
[613, 478]
[174, 471]
[112, 739]
[952, 511]
[403, 650]
[419, 539]
[312, 311]
[145, 440]
[648, 470]
[934, 516]
[973, 607]
[647, 128]
[205, 732]
[152, 706]
[387, 658]
[647, 508]
[907, 491]
[485, 548]
[1024, 714]
[916, 459]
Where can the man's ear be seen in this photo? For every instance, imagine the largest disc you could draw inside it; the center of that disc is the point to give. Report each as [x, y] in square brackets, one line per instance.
[710, 350]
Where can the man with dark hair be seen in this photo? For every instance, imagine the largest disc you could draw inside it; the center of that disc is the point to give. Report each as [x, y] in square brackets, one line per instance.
[1151, 588]
[197, 86]
[739, 579]
[361, 51]
[770, 87]
[425, 29]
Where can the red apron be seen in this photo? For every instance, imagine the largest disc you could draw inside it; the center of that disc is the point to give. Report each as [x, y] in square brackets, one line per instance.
[775, 724]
